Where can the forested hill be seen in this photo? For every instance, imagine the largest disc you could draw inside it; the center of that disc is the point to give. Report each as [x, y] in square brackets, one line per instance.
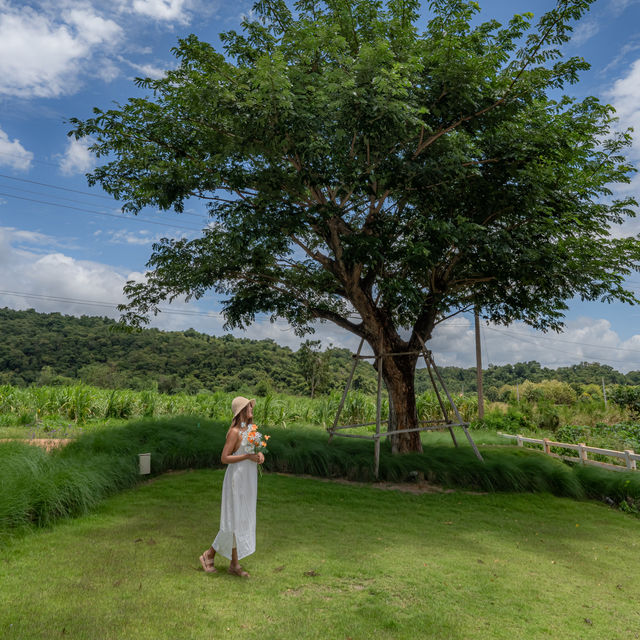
[52, 348]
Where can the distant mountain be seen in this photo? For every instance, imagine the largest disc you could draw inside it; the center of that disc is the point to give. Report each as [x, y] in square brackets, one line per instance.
[51, 348]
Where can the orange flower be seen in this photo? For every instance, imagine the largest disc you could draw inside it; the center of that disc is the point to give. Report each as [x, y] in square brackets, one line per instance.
[264, 444]
[267, 437]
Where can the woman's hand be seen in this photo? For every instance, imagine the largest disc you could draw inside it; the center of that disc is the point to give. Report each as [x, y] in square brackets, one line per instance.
[257, 457]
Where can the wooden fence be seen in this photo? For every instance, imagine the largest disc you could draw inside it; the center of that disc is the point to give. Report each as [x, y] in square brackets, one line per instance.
[629, 457]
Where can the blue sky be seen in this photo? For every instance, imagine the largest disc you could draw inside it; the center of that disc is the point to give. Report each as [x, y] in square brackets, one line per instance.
[65, 247]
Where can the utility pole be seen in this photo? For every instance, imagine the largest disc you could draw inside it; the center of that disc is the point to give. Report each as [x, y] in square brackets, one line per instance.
[604, 394]
[479, 367]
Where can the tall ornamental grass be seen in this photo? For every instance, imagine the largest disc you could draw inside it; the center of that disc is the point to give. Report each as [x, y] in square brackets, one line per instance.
[37, 488]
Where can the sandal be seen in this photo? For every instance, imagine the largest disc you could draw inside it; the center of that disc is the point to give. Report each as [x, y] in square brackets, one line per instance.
[207, 564]
[238, 571]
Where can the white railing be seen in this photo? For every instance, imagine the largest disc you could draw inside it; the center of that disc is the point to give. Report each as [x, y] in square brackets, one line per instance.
[629, 457]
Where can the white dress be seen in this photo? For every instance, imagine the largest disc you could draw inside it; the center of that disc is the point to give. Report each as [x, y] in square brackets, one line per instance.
[238, 508]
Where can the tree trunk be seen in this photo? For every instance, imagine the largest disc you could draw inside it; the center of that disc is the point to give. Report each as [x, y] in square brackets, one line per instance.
[399, 378]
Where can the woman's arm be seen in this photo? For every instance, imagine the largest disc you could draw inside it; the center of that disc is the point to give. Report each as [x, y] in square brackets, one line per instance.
[231, 444]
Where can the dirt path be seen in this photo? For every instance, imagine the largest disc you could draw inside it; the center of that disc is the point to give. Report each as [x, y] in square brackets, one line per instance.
[417, 488]
[46, 443]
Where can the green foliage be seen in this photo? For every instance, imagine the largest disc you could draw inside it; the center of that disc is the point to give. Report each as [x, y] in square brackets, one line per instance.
[210, 362]
[152, 360]
[361, 170]
[39, 488]
[313, 365]
[552, 391]
[573, 434]
[627, 397]
[546, 417]
[514, 421]
[584, 378]
[395, 123]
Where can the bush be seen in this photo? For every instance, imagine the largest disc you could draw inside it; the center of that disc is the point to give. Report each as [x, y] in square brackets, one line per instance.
[572, 434]
[547, 418]
[551, 391]
[627, 398]
[513, 421]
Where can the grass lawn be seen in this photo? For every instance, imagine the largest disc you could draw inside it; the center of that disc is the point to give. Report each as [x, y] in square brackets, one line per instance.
[333, 561]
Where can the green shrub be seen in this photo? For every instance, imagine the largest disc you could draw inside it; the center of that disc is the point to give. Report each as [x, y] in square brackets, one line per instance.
[627, 398]
[546, 417]
[513, 421]
[573, 434]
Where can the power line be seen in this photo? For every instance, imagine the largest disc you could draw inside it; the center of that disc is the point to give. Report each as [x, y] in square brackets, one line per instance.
[55, 186]
[84, 193]
[101, 303]
[185, 312]
[57, 197]
[113, 305]
[40, 193]
[101, 213]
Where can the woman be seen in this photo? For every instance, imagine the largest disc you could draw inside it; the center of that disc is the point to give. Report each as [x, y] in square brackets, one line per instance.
[237, 536]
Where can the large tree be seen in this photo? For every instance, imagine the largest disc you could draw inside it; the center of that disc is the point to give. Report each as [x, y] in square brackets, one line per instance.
[380, 171]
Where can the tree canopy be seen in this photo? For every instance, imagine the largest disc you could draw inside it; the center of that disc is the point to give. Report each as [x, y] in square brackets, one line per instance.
[380, 171]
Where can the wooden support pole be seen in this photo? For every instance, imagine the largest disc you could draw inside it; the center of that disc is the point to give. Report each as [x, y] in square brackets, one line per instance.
[445, 413]
[346, 390]
[440, 402]
[455, 409]
[429, 356]
[378, 417]
[479, 366]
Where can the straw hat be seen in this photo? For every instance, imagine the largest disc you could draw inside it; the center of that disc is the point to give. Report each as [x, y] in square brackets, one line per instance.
[239, 403]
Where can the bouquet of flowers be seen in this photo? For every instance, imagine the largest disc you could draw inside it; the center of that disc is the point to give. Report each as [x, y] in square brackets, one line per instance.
[258, 440]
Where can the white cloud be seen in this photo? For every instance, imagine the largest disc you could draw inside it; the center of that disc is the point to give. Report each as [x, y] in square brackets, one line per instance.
[13, 154]
[625, 97]
[584, 31]
[36, 274]
[77, 158]
[618, 6]
[91, 27]
[625, 50]
[42, 53]
[33, 265]
[165, 10]
[585, 339]
[147, 70]
[142, 237]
